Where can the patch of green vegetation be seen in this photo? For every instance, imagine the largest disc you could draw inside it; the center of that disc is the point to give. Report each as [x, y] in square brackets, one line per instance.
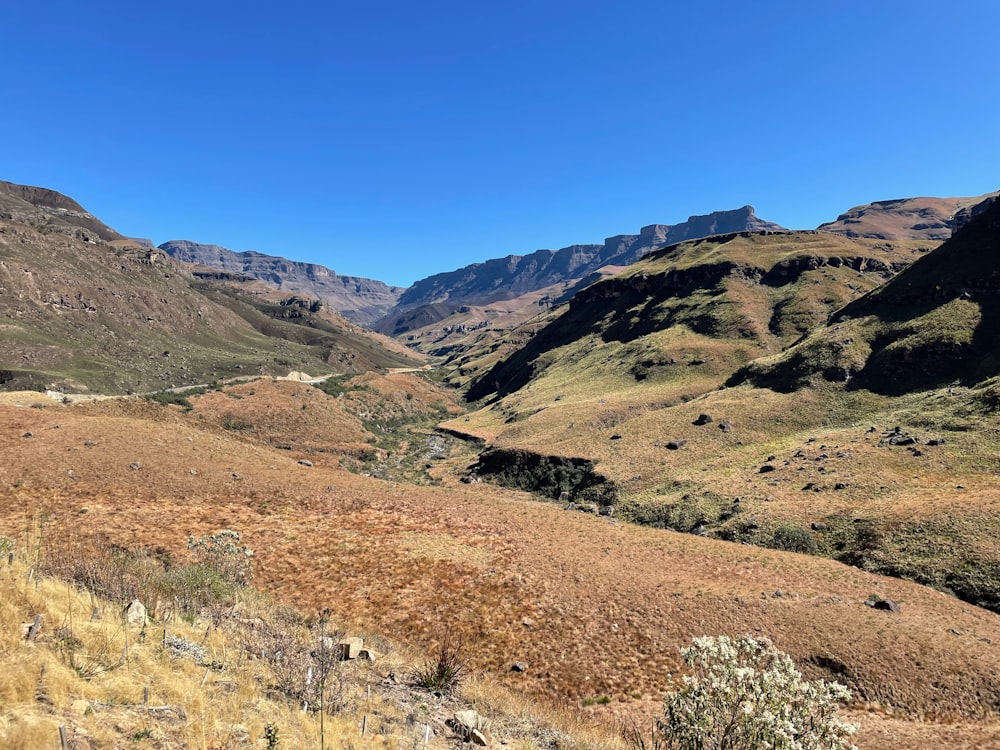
[692, 512]
[549, 476]
[175, 398]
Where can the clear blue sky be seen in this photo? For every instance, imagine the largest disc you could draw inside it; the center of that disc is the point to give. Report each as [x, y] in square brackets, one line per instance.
[394, 140]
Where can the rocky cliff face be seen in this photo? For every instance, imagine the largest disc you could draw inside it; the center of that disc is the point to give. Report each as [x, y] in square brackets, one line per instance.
[360, 300]
[504, 278]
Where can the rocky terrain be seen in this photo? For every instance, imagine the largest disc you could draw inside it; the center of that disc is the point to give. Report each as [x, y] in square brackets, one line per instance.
[360, 300]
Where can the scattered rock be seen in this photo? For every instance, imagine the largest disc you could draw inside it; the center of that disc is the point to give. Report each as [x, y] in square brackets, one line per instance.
[840, 486]
[725, 425]
[606, 510]
[89, 444]
[703, 419]
[809, 486]
[953, 631]
[616, 436]
[305, 462]
[766, 468]
[528, 622]
[819, 526]
[564, 497]
[778, 593]
[350, 648]
[135, 613]
[674, 445]
[27, 435]
[469, 719]
[478, 738]
[519, 666]
[935, 441]
[135, 466]
[886, 605]
[369, 655]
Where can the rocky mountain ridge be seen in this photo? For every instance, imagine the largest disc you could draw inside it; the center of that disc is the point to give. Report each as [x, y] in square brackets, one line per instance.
[504, 278]
[359, 300]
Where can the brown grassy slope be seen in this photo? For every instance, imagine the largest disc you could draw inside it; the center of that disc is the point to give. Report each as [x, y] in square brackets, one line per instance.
[82, 314]
[593, 607]
[902, 219]
[240, 669]
[618, 379]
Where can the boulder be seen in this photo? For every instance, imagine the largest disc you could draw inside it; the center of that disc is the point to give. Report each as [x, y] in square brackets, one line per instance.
[135, 613]
[350, 648]
[703, 419]
[469, 720]
[886, 605]
[674, 445]
[519, 666]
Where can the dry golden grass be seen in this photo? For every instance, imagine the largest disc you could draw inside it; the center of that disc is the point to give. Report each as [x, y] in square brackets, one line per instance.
[593, 607]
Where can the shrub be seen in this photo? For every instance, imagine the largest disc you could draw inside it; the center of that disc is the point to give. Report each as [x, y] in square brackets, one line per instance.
[224, 551]
[745, 694]
[793, 539]
[443, 673]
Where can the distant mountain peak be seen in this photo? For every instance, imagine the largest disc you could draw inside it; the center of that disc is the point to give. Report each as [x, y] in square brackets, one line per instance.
[513, 275]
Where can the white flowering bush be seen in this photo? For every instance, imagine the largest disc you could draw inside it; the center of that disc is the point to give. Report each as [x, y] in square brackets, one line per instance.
[745, 694]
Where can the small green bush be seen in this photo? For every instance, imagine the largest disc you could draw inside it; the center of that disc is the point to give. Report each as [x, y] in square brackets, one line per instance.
[793, 539]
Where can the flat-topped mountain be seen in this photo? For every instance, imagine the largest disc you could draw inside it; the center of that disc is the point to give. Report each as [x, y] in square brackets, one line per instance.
[504, 278]
[903, 218]
[360, 300]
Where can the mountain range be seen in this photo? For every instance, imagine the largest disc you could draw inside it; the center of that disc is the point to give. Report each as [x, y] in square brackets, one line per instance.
[789, 433]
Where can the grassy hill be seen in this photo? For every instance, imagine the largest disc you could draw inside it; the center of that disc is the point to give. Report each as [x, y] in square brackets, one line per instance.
[937, 322]
[815, 445]
[80, 312]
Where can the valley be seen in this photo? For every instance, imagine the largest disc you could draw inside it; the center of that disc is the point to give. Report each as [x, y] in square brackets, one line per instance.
[763, 431]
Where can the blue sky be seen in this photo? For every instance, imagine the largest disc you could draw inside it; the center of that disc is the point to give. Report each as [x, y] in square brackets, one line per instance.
[394, 140]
